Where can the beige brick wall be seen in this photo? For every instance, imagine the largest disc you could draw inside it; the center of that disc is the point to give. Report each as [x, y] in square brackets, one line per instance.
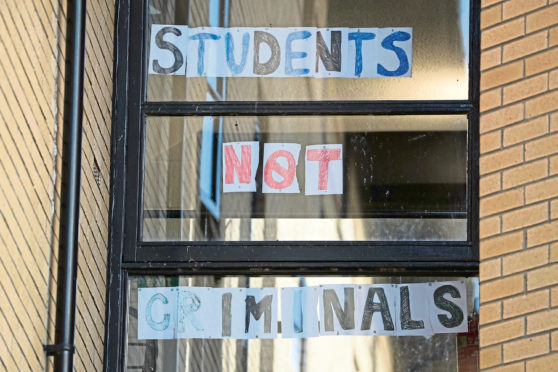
[519, 185]
[31, 84]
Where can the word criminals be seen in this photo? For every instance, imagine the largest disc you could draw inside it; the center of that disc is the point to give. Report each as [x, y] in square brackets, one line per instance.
[420, 309]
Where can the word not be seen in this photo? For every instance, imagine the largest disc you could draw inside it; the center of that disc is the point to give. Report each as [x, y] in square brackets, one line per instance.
[281, 52]
[323, 168]
[244, 313]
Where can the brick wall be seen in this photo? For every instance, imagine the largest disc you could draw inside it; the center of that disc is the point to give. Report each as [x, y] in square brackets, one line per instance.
[31, 84]
[519, 185]
[28, 69]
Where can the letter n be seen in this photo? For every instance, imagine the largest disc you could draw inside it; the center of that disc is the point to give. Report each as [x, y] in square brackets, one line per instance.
[240, 163]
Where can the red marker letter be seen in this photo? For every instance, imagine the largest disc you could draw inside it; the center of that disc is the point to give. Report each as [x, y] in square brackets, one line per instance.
[242, 168]
[272, 165]
[324, 156]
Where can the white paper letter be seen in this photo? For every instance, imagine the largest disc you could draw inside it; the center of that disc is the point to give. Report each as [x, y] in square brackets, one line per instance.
[448, 307]
[240, 163]
[157, 313]
[167, 49]
[279, 171]
[299, 312]
[324, 170]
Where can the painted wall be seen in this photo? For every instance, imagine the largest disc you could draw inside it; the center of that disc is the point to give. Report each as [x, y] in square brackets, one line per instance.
[519, 185]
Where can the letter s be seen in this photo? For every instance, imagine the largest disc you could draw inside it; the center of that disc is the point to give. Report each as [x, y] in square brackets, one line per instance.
[387, 43]
[454, 310]
[162, 44]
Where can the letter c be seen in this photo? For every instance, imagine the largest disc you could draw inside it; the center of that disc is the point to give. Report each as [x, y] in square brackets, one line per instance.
[163, 324]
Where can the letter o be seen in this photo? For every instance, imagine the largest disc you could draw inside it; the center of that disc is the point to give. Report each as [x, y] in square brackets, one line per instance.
[272, 165]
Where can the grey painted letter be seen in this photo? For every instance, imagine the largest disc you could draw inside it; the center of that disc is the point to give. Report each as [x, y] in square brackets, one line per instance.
[370, 307]
[406, 322]
[454, 310]
[345, 316]
[257, 309]
[226, 314]
[331, 58]
[178, 57]
[272, 64]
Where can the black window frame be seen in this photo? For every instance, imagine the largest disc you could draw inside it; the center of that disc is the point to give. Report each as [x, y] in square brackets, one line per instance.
[128, 255]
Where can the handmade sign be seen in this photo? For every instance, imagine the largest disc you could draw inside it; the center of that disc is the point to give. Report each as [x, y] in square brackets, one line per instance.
[281, 52]
[240, 162]
[324, 168]
[244, 313]
[279, 173]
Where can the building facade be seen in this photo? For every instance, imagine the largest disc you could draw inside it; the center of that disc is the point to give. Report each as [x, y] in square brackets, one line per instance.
[518, 183]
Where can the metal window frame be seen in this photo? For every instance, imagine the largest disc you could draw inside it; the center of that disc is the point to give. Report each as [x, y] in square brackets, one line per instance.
[128, 255]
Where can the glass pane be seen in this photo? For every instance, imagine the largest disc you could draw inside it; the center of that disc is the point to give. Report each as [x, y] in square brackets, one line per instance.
[376, 353]
[438, 62]
[268, 178]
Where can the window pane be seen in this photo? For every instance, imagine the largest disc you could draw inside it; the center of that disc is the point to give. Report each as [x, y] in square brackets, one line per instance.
[439, 63]
[440, 352]
[268, 178]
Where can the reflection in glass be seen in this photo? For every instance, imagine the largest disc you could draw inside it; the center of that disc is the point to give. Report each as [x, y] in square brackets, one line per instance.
[441, 352]
[404, 178]
[440, 48]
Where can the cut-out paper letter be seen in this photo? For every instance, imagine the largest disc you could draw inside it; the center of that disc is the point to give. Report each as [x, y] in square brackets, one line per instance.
[279, 172]
[299, 312]
[448, 307]
[324, 170]
[413, 316]
[157, 313]
[240, 163]
[260, 314]
[337, 310]
[167, 49]
[195, 313]
[376, 309]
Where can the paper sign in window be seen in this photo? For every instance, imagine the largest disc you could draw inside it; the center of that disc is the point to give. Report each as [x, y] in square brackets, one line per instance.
[448, 309]
[247, 313]
[260, 313]
[338, 315]
[280, 52]
[157, 313]
[413, 318]
[168, 49]
[299, 312]
[377, 311]
[324, 169]
[240, 164]
[279, 172]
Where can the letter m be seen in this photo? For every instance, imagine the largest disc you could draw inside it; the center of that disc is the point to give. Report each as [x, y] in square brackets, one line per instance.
[256, 310]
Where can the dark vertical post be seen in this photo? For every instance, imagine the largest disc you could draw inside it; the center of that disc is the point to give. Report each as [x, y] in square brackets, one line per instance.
[70, 188]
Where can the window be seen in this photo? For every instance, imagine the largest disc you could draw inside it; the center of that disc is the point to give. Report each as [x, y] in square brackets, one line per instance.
[256, 142]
